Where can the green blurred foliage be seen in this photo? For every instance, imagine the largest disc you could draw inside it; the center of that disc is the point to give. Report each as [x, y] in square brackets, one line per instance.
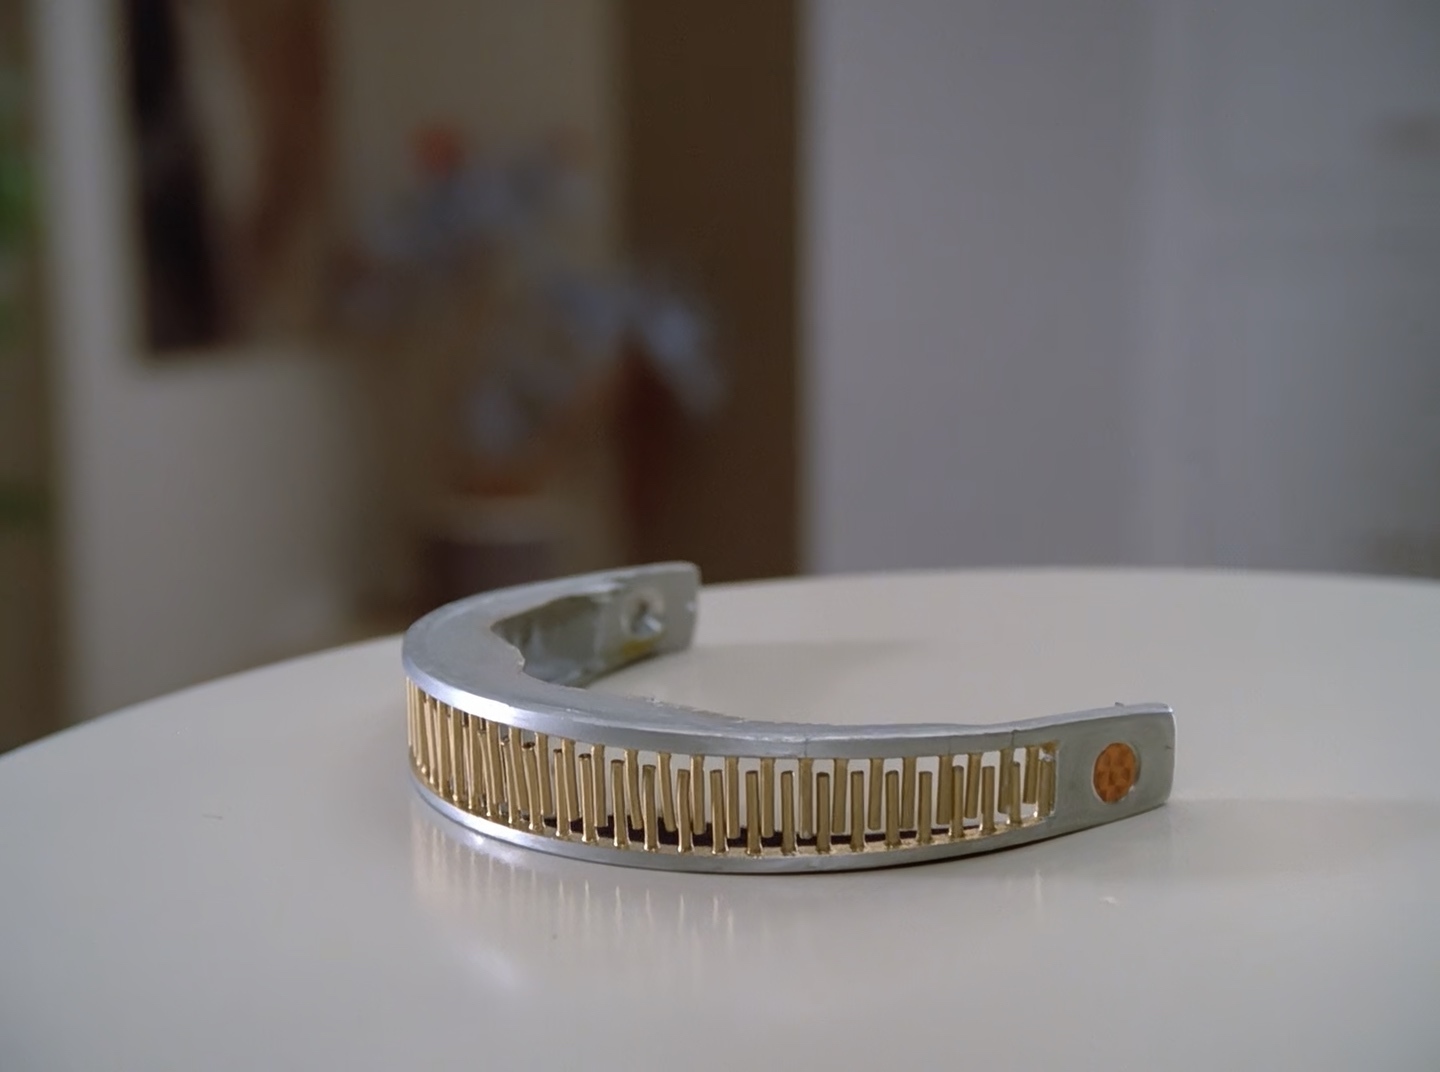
[22, 507]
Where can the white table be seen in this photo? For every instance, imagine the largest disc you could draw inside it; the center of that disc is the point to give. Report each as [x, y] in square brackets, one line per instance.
[240, 877]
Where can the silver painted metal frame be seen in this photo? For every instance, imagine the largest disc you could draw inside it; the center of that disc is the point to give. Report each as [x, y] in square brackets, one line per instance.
[520, 657]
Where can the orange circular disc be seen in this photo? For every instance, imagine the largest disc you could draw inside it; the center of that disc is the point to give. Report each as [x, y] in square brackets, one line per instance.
[1115, 771]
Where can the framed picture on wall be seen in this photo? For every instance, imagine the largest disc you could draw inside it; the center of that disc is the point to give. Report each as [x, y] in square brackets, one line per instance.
[229, 101]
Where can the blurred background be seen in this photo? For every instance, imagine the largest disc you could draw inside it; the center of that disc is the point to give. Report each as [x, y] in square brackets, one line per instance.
[317, 313]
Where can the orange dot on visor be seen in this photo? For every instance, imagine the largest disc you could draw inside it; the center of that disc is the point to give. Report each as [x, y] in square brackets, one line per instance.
[1115, 771]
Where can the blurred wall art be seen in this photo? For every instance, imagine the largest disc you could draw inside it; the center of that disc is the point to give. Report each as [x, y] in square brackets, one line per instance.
[229, 107]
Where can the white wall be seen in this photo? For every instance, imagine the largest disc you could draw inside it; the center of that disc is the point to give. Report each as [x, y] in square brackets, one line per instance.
[1291, 381]
[1124, 282]
[973, 180]
[208, 507]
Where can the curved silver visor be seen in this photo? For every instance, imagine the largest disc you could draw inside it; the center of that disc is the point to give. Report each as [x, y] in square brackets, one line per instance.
[505, 740]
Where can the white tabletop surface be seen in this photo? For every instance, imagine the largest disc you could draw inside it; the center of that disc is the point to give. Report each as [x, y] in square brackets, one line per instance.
[239, 876]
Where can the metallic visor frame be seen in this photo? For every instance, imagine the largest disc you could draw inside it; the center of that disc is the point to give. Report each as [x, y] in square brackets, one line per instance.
[504, 740]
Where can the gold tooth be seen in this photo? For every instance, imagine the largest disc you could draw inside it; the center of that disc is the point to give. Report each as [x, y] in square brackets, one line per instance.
[475, 742]
[667, 793]
[431, 741]
[987, 800]
[1032, 774]
[587, 800]
[892, 809]
[462, 785]
[602, 807]
[442, 749]
[457, 757]
[1014, 815]
[943, 791]
[417, 735]
[432, 736]
[475, 791]
[475, 760]
[876, 786]
[619, 825]
[923, 822]
[547, 792]
[431, 749]
[517, 803]
[411, 737]
[428, 736]
[647, 809]
[732, 796]
[428, 761]
[494, 772]
[972, 784]
[957, 804]
[572, 791]
[452, 738]
[442, 771]
[752, 808]
[632, 787]
[1002, 774]
[457, 761]
[682, 794]
[485, 773]
[857, 811]
[507, 778]
[532, 786]
[563, 807]
[442, 765]
[415, 743]
[717, 813]
[787, 813]
[807, 797]
[1045, 802]
[522, 786]
[767, 798]
[697, 787]
[822, 812]
[837, 810]
[907, 793]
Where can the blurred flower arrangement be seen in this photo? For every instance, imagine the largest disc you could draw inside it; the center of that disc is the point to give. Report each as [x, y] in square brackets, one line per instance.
[523, 381]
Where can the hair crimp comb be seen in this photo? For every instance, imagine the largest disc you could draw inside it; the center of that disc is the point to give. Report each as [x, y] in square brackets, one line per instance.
[504, 740]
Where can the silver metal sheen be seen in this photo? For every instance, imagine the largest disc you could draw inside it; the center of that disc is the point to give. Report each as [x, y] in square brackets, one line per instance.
[521, 656]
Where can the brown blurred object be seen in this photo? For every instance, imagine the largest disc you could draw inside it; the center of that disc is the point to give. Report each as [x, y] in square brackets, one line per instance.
[649, 429]
[438, 150]
[533, 514]
[709, 114]
[579, 496]
[30, 681]
[473, 515]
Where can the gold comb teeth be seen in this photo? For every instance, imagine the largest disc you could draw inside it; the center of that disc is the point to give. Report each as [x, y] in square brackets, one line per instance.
[510, 751]
[884, 808]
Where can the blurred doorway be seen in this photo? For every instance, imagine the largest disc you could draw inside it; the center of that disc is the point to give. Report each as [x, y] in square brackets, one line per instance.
[710, 131]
